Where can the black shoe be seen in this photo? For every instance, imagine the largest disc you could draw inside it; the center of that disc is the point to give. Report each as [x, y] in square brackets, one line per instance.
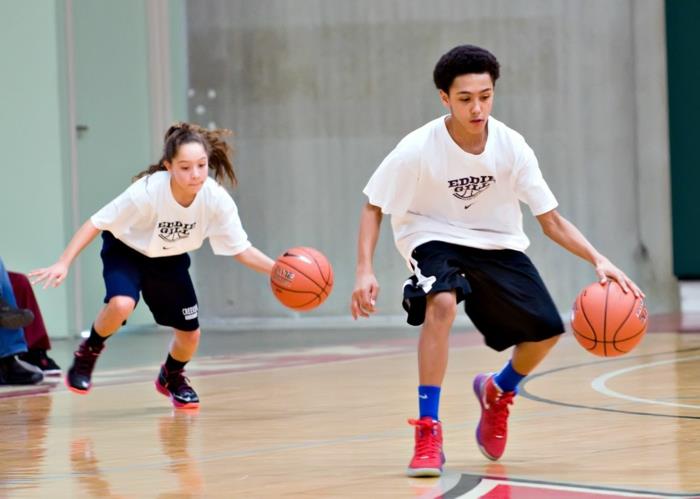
[177, 387]
[16, 372]
[40, 359]
[13, 317]
[79, 375]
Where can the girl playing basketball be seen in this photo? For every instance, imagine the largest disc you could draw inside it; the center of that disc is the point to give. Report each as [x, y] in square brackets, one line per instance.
[147, 231]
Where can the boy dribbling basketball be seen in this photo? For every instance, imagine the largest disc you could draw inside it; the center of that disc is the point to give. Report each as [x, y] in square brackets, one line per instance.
[453, 189]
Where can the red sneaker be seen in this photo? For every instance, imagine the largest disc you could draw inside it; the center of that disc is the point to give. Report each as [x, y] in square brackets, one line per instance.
[492, 432]
[428, 457]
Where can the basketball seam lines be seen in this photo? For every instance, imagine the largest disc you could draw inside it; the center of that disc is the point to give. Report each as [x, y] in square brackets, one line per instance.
[302, 273]
[316, 296]
[641, 331]
[289, 290]
[623, 323]
[585, 316]
[306, 303]
[320, 270]
[609, 341]
[605, 320]
[614, 341]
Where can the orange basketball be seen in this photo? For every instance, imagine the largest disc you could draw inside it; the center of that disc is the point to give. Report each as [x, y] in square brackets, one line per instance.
[302, 278]
[607, 321]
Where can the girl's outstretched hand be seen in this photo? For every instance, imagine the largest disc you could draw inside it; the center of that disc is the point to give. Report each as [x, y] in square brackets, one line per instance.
[49, 276]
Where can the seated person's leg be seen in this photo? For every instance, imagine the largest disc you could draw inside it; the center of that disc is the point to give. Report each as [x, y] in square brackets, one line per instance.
[35, 334]
[10, 316]
[12, 371]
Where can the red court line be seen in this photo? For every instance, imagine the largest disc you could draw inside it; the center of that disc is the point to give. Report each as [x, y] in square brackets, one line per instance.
[519, 492]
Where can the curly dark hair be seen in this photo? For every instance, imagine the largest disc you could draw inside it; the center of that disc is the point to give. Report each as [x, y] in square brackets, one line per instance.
[464, 59]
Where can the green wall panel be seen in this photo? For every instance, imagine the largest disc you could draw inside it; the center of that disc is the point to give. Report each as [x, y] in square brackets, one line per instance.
[683, 45]
[33, 181]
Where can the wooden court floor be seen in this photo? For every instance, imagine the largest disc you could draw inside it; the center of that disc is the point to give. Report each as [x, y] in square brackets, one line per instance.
[330, 421]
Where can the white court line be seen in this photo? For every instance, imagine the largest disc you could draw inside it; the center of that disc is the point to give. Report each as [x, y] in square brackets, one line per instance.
[598, 384]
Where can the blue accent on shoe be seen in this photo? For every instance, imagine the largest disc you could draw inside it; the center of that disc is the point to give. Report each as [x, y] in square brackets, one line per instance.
[508, 378]
[429, 401]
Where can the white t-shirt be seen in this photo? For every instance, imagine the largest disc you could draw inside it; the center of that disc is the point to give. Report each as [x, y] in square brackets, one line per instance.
[147, 218]
[436, 191]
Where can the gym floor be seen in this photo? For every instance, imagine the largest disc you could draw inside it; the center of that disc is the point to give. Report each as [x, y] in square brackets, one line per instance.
[322, 413]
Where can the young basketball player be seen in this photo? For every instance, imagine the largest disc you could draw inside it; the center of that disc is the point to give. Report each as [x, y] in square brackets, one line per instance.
[147, 232]
[453, 188]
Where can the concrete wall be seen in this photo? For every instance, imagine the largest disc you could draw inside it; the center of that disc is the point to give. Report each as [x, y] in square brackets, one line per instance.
[318, 91]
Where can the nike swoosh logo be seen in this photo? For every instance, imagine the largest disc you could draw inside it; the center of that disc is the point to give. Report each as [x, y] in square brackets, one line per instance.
[423, 397]
[167, 247]
[466, 207]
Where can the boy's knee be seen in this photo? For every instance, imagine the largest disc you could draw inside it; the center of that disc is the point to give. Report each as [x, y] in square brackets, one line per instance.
[442, 306]
[550, 342]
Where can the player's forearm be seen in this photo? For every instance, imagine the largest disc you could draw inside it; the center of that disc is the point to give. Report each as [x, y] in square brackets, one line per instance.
[564, 233]
[84, 236]
[370, 224]
[256, 260]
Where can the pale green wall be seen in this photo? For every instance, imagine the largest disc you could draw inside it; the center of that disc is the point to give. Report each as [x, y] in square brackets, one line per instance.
[33, 181]
[112, 98]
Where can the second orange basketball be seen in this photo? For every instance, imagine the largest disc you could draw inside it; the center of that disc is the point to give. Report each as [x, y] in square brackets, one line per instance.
[607, 321]
[302, 278]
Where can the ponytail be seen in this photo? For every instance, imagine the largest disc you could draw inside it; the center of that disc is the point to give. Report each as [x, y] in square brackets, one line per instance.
[218, 150]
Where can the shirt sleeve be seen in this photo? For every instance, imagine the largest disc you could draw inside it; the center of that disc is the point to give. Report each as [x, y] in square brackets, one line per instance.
[530, 185]
[393, 184]
[226, 235]
[118, 215]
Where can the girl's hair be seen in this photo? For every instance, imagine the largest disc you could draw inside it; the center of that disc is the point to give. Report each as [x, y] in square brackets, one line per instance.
[218, 151]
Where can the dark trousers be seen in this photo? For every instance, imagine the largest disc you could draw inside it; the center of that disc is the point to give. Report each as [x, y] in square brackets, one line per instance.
[35, 333]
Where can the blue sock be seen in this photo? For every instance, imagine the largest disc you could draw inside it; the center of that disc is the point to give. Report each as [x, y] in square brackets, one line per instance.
[508, 378]
[429, 401]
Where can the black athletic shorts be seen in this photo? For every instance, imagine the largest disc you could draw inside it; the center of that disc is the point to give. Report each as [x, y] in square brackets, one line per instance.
[164, 282]
[503, 293]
